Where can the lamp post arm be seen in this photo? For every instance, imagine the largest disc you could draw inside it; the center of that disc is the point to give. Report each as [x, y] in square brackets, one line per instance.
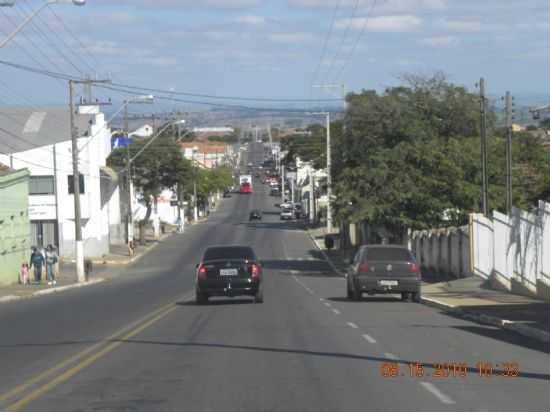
[26, 21]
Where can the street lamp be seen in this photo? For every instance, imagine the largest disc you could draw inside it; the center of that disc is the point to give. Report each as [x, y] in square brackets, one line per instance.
[329, 175]
[11, 3]
[148, 99]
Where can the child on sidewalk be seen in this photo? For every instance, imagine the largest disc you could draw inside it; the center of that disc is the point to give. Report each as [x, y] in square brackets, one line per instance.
[24, 274]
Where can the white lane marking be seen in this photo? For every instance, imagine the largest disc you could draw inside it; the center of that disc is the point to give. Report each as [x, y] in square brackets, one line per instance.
[308, 290]
[336, 311]
[322, 299]
[390, 356]
[430, 387]
[352, 325]
[327, 304]
[369, 338]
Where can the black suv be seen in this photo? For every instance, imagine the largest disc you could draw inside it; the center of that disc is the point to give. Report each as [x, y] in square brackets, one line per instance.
[229, 271]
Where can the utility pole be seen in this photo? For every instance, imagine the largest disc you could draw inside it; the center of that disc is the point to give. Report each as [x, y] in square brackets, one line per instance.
[283, 181]
[129, 214]
[79, 245]
[509, 119]
[484, 165]
[195, 210]
[329, 178]
[314, 218]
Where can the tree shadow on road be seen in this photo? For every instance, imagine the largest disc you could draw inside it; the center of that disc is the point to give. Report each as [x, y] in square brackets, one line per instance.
[502, 335]
[367, 300]
[311, 268]
[219, 301]
[428, 364]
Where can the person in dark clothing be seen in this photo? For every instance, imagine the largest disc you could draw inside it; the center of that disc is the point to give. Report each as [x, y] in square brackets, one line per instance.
[37, 261]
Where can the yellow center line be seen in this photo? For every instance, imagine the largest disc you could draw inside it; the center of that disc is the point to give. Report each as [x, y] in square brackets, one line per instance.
[17, 406]
[20, 388]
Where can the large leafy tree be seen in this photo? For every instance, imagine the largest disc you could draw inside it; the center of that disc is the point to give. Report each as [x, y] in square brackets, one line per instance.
[160, 166]
[409, 158]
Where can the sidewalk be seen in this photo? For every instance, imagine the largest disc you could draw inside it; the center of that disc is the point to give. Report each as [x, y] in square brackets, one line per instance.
[469, 298]
[105, 268]
[335, 257]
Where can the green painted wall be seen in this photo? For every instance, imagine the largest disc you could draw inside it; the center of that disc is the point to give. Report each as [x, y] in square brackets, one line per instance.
[15, 227]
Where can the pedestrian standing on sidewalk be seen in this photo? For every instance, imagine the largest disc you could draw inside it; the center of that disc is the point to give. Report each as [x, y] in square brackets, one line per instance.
[37, 261]
[24, 274]
[51, 260]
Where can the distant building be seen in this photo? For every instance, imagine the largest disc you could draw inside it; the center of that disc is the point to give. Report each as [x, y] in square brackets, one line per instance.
[517, 128]
[213, 130]
[15, 242]
[207, 154]
[143, 132]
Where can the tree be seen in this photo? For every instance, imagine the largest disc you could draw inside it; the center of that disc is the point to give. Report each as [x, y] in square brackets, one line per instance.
[409, 157]
[160, 166]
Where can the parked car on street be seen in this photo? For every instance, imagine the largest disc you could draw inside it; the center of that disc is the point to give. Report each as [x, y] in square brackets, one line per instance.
[287, 214]
[384, 269]
[229, 271]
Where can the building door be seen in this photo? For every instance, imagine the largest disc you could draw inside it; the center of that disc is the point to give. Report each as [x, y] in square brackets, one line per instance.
[44, 233]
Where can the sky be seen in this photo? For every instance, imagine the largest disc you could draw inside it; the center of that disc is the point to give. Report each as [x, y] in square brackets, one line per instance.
[278, 48]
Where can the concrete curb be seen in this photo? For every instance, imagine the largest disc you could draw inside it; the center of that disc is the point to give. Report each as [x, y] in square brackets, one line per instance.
[520, 328]
[329, 261]
[11, 298]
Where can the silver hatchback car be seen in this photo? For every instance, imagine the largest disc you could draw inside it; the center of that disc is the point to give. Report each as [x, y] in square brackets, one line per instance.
[385, 269]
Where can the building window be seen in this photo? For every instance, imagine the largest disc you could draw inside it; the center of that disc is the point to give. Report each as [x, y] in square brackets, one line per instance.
[41, 185]
[71, 184]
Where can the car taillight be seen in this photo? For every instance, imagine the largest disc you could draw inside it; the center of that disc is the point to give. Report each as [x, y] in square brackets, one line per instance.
[255, 271]
[364, 267]
[416, 269]
[202, 272]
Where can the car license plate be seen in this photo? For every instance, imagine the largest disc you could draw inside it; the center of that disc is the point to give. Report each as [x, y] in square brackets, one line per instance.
[388, 283]
[229, 272]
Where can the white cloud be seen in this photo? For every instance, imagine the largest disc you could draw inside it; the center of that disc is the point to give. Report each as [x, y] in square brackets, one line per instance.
[387, 5]
[296, 37]
[215, 4]
[440, 41]
[251, 20]
[382, 23]
[461, 25]
[538, 26]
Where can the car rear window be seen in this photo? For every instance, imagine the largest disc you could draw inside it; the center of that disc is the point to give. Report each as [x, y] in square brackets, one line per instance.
[388, 253]
[229, 253]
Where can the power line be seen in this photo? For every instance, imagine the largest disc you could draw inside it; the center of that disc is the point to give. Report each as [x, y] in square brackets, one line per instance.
[324, 50]
[209, 96]
[41, 33]
[71, 33]
[24, 49]
[126, 89]
[221, 105]
[357, 39]
[344, 38]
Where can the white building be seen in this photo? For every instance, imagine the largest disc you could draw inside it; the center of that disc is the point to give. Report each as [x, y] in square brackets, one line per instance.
[213, 130]
[309, 182]
[144, 131]
[39, 140]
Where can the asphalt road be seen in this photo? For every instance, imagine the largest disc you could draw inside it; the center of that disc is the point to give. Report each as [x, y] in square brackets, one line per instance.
[139, 343]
